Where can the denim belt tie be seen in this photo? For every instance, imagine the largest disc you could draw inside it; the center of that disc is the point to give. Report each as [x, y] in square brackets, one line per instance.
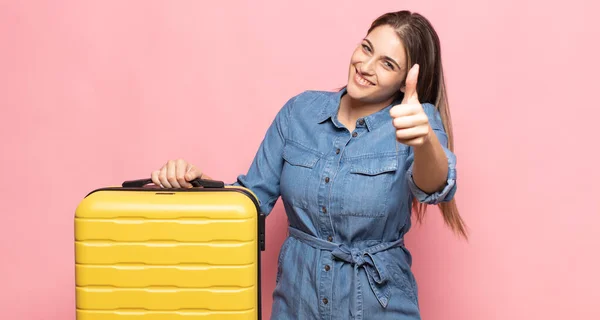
[365, 259]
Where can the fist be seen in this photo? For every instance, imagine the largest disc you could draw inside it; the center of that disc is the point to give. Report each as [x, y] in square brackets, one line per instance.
[176, 174]
[409, 118]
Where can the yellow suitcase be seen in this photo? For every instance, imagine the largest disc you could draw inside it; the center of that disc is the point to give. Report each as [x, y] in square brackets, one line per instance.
[143, 253]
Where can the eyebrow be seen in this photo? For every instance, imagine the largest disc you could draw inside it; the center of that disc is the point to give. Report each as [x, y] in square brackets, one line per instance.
[386, 57]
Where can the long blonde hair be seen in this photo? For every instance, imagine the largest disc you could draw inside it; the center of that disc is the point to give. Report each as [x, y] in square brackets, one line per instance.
[422, 46]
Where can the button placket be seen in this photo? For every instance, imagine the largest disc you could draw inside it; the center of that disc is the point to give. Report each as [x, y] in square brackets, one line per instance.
[331, 163]
[325, 288]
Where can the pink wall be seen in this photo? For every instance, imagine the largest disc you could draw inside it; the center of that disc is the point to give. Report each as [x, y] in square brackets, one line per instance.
[94, 93]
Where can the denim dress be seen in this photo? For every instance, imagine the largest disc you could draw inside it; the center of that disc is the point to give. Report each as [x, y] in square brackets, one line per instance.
[347, 196]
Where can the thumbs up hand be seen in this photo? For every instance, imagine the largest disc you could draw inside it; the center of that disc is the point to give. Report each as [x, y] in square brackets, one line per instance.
[409, 118]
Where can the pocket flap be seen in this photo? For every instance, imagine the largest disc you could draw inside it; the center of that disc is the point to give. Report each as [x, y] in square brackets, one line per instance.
[375, 165]
[299, 156]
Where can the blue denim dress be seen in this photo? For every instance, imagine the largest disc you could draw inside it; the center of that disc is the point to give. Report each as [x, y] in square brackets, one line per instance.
[347, 196]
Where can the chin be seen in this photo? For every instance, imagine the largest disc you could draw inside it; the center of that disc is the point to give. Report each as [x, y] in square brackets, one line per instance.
[354, 92]
[365, 95]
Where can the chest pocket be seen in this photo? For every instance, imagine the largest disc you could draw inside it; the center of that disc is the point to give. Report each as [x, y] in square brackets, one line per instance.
[298, 175]
[368, 186]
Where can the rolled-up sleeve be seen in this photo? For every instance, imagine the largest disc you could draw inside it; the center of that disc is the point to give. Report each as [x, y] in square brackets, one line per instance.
[446, 193]
[264, 173]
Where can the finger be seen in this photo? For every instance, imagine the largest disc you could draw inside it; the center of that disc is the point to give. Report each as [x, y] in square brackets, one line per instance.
[410, 121]
[402, 110]
[172, 174]
[192, 172]
[410, 86]
[162, 177]
[411, 133]
[181, 169]
[412, 142]
[154, 177]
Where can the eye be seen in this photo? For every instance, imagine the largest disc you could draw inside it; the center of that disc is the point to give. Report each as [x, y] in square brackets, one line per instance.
[366, 48]
[388, 65]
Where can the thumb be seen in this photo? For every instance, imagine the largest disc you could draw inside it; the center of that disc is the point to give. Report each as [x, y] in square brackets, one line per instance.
[192, 172]
[410, 87]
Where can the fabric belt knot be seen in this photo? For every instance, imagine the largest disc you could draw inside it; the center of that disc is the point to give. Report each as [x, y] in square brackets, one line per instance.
[365, 259]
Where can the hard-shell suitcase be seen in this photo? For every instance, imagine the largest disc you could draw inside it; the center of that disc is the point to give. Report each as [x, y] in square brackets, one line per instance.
[144, 253]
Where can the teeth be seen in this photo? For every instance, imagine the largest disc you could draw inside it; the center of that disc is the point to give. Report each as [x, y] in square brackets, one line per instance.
[362, 80]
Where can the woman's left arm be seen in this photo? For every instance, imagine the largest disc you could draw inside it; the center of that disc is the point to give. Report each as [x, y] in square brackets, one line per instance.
[430, 167]
[431, 172]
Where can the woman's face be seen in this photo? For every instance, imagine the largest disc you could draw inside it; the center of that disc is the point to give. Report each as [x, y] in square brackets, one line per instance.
[377, 67]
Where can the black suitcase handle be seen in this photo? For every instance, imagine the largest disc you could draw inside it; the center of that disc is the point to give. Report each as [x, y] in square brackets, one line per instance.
[197, 183]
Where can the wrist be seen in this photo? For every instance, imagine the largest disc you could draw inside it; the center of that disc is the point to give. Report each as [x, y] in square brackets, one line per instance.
[428, 140]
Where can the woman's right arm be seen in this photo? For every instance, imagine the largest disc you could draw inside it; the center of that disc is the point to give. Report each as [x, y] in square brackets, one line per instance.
[263, 175]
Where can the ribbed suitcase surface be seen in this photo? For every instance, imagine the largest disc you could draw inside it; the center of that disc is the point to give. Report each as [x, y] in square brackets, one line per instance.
[157, 254]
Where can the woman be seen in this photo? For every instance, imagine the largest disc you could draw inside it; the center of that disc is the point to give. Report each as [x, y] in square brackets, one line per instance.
[349, 166]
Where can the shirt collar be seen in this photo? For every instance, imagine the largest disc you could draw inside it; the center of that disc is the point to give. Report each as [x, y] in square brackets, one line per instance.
[372, 121]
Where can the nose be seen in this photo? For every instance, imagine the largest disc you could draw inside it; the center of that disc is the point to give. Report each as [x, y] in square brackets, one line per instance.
[366, 67]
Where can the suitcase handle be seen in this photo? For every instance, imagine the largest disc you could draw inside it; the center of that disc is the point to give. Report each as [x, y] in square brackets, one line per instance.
[197, 183]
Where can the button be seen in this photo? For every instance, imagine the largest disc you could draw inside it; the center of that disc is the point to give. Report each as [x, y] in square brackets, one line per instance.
[361, 121]
[337, 151]
[325, 301]
[330, 238]
[354, 134]
[327, 267]
[326, 179]
[324, 210]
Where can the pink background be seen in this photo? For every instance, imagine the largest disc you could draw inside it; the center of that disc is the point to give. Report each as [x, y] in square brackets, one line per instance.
[96, 92]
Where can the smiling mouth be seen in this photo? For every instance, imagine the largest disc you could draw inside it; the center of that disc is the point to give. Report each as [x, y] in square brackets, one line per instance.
[361, 80]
